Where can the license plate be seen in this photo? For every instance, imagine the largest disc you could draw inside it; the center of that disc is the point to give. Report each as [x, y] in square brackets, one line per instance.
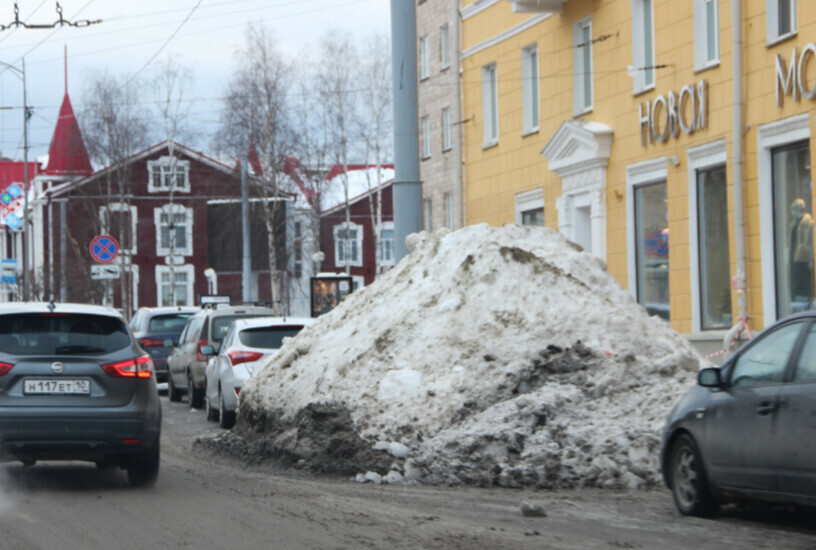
[62, 386]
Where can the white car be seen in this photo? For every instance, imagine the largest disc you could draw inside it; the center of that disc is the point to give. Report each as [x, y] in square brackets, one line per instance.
[248, 344]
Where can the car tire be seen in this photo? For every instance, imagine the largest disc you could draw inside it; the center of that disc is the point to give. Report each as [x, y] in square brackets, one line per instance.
[226, 419]
[212, 413]
[173, 393]
[689, 483]
[195, 396]
[143, 470]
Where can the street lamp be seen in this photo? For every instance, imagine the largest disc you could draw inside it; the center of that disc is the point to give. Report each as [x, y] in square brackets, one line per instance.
[20, 73]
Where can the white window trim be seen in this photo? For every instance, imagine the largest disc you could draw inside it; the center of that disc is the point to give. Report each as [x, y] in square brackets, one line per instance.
[447, 129]
[701, 62]
[449, 223]
[424, 58]
[769, 137]
[702, 157]
[426, 137]
[121, 207]
[638, 55]
[444, 46]
[187, 268]
[642, 173]
[530, 90]
[352, 226]
[166, 162]
[381, 261]
[580, 72]
[528, 200]
[772, 22]
[188, 228]
[490, 97]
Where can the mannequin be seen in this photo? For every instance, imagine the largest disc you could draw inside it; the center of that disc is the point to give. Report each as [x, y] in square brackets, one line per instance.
[801, 253]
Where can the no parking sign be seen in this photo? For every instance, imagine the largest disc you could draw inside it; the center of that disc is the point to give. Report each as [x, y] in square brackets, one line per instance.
[104, 249]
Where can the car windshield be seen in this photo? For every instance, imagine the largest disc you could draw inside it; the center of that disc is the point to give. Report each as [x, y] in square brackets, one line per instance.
[61, 334]
[267, 337]
[173, 322]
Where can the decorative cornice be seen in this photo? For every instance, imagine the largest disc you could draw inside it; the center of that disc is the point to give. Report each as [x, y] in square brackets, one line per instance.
[476, 7]
[578, 146]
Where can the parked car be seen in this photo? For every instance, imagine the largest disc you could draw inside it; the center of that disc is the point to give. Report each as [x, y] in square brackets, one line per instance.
[157, 330]
[187, 363]
[747, 430]
[247, 344]
[75, 385]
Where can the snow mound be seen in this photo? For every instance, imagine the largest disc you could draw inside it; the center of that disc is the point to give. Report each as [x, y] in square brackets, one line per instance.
[492, 356]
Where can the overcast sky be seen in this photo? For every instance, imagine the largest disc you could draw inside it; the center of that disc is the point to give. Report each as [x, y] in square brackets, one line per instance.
[203, 34]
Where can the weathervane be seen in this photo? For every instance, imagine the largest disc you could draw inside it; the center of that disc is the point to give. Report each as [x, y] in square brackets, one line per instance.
[61, 22]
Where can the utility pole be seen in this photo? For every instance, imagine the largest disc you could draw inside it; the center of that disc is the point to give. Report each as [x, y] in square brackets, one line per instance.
[246, 264]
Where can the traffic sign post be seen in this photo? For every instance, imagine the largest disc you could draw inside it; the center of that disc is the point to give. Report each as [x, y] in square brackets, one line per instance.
[104, 249]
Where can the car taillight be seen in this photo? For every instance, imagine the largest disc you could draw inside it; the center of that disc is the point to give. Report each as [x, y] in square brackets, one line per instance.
[151, 342]
[4, 368]
[238, 357]
[140, 367]
[200, 356]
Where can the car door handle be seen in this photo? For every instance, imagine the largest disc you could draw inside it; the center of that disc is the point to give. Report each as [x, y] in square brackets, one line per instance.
[766, 408]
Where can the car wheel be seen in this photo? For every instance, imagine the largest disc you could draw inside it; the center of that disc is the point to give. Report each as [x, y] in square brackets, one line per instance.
[173, 393]
[143, 470]
[690, 489]
[212, 414]
[226, 419]
[195, 396]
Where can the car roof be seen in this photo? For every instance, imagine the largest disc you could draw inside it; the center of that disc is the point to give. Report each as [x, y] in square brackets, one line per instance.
[170, 309]
[57, 307]
[253, 322]
[232, 310]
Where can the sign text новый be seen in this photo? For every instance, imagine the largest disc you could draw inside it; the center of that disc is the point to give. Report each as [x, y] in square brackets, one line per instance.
[667, 115]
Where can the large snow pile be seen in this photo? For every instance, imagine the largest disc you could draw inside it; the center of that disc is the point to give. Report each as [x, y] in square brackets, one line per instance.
[487, 356]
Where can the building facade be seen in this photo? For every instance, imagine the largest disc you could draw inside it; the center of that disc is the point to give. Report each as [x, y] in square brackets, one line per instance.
[659, 136]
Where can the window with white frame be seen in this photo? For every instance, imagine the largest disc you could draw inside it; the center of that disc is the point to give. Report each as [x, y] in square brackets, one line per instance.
[643, 54]
[447, 129]
[174, 230]
[780, 19]
[706, 34]
[652, 248]
[444, 46]
[348, 245]
[174, 285]
[424, 58]
[582, 77]
[529, 89]
[530, 208]
[426, 137]
[449, 210]
[490, 105]
[297, 255]
[428, 214]
[168, 173]
[119, 220]
[386, 252]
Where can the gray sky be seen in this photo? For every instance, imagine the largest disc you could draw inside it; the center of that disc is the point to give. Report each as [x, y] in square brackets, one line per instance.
[132, 33]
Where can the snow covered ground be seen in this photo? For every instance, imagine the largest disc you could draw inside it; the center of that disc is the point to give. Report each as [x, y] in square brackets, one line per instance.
[488, 356]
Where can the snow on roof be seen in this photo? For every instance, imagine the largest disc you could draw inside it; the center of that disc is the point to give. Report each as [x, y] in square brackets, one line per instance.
[491, 356]
[361, 181]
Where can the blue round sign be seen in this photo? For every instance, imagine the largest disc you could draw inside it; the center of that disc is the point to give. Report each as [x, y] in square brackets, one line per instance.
[104, 249]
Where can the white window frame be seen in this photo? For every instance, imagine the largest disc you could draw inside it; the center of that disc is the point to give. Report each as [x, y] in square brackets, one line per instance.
[134, 218]
[528, 200]
[444, 46]
[582, 75]
[356, 262]
[530, 98]
[447, 129]
[424, 58]
[490, 105]
[448, 210]
[383, 261]
[427, 214]
[642, 173]
[188, 269]
[164, 163]
[772, 21]
[188, 229]
[640, 58]
[702, 157]
[702, 22]
[769, 137]
[426, 137]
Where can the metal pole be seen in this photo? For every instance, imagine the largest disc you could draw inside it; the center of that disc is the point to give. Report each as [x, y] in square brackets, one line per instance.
[25, 191]
[63, 251]
[246, 265]
[407, 197]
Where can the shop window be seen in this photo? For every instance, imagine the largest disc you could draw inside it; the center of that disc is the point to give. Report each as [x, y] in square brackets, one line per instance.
[714, 263]
[490, 105]
[793, 228]
[780, 19]
[582, 78]
[652, 248]
[706, 34]
[643, 55]
[529, 90]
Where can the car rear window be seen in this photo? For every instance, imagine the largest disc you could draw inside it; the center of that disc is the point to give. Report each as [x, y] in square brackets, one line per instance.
[61, 334]
[173, 322]
[221, 324]
[267, 337]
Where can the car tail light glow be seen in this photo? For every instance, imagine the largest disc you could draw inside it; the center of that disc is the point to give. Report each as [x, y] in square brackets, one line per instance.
[238, 357]
[151, 342]
[237, 390]
[200, 356]
[5, 367]
[140, 367]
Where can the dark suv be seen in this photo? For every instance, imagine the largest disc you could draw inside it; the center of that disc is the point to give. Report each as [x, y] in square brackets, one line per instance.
[75, 385]
[157, 330]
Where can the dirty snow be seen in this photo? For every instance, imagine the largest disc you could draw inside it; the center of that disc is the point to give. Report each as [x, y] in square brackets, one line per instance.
[488, 356]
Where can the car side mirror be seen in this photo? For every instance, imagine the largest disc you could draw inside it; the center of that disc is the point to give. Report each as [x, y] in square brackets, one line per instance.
[710, 378]
[207, 350]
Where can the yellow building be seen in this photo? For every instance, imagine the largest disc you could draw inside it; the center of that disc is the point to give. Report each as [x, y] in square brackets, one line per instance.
[617, 120]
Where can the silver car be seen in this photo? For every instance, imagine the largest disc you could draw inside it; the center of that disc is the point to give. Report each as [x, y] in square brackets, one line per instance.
[75, 385]
[247, 345]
